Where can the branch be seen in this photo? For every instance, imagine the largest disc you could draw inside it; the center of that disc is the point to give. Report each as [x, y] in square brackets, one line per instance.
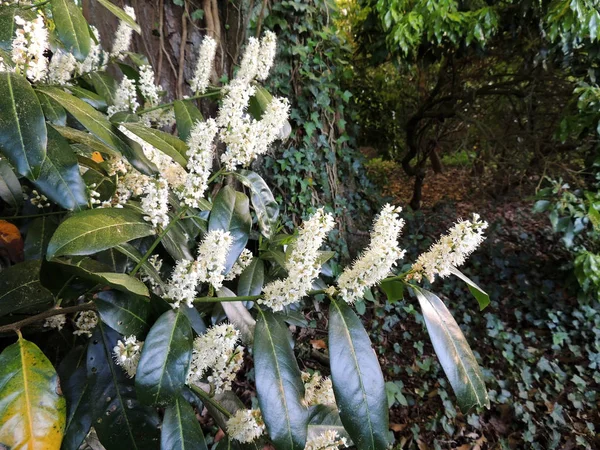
[50, 313]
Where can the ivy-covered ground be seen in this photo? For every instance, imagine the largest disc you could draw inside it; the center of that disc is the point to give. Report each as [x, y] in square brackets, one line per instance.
[538, 345]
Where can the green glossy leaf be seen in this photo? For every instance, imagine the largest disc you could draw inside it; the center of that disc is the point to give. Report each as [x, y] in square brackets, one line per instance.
[21, 289]
[231, 212]
[91, 98]
[38, 235]
[32, 410]
[279, 384]
[186, 115]
[180, 428]
[120, 14]
[60, 179]
[358, 382]
[23, 136]
[124, 313]
[148, 269]
[72, 28]
[239, 316]
[252, 278]
[124, 117]
[8, 26]
[394, 290]
[265, 206]
[94, 230]
[258, 102]
[55, 114]
[10, 188]
[86, 139]
[166, 143]
[76, 389]
[104, 85]
[120, 421]
[480, 295]
[165, 359]
[453, 351]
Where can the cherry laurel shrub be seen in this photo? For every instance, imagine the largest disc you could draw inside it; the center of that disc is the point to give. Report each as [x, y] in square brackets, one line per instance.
[159, 271]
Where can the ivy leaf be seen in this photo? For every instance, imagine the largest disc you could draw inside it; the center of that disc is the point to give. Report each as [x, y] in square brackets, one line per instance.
[120, 421]
[480, 295]
[72, 28]
[60, 179]
[94, 230]
[453, 351]
[32, 410]
[265, 206]
[21, 289]
[10, 188]
[165, 359]
[166, 143]
[279, 384]
[186, 116]
[180, 428]
[231, 212]
[121, 15]
[124, 313]
[357, 379]
[23, 136]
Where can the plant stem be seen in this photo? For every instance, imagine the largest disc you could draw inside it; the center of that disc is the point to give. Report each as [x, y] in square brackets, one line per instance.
[37, 5]
[166, 105]
[208, 399]
[215, 175]
[33, 215]
[226, 299]
[51, 312]
[157, 240]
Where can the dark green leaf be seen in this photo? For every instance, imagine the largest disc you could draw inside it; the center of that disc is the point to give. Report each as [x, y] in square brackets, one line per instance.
[186, 116]
[166, 143]
[59, 178]
[104, 85]
[10, 188]
[21, 290]
[121, 15]
[252, 278]
[278, 384]
[394, 290]
[134, 254]
[125, 313]
[72, 28]
[265, 206]
[357, 379]
[38, 235]
[239, 316]
[180, 428]
[8, 26]
[453, 351]
[86, 139]
[55, 114]
[94, 230]
[91, 98]
[120, 421]
[23, 136]
[231, 212]
[258, 102]
[480, 295]
[165, 359]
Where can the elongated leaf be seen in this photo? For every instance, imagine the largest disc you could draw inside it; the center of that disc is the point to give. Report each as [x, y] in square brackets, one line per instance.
[165, 359]
[124, 313]
[32, 410]
[10, 188]
[104, 85]
[231, 212]
[180, 428]
[186, 115]
[120, 421]
[239, 316]
[166, 143]
[72, 28]
[279, 384]
[252, 278]
[121, 15]
[21, 290]
[23, 136]
[97, 124]
[480, 295]
[265, 206]
[59, 178]
[85, 138]
[91, 98]
[358, 382]
[55, 114]
[76, 388]
[453, 351]
[94, 230]
[134, 254]
[38, 235]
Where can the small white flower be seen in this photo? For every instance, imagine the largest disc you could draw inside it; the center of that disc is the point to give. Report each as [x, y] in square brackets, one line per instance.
[125, 97]
[204, 66]
[127, 354]
[328, 440]
[183, 282]
[245, 425]
[155, 203]
[123, 36]
[57, 322]
[212, 256]
[249, 65]
[39, 200]
[97, 58]
[243, 261]
[85, 322]
[61, 67]
[317, 390]
[147, 85]
[266, 55]
[28, 47]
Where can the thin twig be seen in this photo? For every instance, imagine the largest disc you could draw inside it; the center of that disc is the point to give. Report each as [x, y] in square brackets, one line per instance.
[50, 313]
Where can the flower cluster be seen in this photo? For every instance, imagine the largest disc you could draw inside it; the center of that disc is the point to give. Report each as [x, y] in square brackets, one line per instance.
[147, 85]
[85, 322]
[61, 67]
[57, 322]
[217, 351]
[245, 425]
[200, 155]
[125, 97]
[302, 264]
[266, 55]
[28, 47]
[127, 354]
[318, 390]
[123, 36]
[204, 66]
[39, 200]
[328, 440]
[243, 261]
[155, 202]
[207, 268]
[96, 58]
[379, 258]
[450, 251]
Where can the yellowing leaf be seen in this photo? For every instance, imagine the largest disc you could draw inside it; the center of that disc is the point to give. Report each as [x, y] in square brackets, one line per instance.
[11, 241]
[32, 408]
[97, 156]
